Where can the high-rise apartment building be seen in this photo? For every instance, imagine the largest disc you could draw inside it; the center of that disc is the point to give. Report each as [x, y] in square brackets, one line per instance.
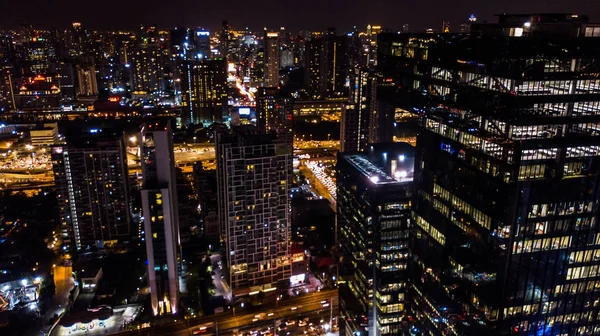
[254, 176]
[336, 63]
[150, 61]
[7, 51]
[87, 82]
[313, 65]
[90, 173]
[66, 78]
[272, 59]
[353, 126]
[367, 117]
[372, 32]
[7, 90]
[38, 54]
[274, 114]
[374, 193]
[224, 39]
[507, 175]
[327, 64]
[74, 42]
[161, 217]
[204, 90]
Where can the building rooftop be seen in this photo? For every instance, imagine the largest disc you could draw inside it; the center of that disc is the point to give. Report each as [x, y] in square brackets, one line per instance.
[385, 163]
[370, 170]
[245, 135]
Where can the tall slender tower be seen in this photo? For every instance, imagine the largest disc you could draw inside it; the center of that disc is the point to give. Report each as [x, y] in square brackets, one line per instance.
[161, 220]
[271, 43]
[374, 226]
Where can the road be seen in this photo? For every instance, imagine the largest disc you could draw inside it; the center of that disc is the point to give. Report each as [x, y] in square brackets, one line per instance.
[246, 318]
[317, 186]
[184, 160]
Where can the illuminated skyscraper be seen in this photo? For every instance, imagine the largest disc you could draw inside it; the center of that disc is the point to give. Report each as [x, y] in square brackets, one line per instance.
[88, 85]
[272, 59]
[353, 126]
[254, 176]
[274, 114]
[202, 41]
[7, 97]
[38, 55]
[161, 217]
[74, 42]
[66, 73]
[372, 32]
[336, 62]
[367, 118]
[313, 66]
[90, 172]
[149, 58]
[374, 221]
[204, 90]
[507, 181]
[224, 39]
[327, 64]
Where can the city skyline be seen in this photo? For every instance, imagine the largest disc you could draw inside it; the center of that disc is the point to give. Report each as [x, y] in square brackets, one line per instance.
[311, 15]
[438, 175]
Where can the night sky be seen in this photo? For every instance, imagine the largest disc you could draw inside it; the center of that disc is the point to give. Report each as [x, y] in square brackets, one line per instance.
[305, 14]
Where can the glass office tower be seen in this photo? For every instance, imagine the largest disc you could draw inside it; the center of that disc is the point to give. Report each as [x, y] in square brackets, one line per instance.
[374, 191]
[506, 184]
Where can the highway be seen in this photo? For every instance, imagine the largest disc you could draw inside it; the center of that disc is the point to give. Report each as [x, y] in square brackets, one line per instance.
[247, 318]
[317, 185]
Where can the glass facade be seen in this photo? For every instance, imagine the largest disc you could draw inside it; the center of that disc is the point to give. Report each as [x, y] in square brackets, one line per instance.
[374, 220]
[506, 184]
